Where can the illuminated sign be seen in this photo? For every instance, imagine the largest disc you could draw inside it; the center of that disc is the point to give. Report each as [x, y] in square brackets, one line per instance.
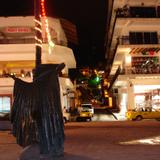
[18, 30]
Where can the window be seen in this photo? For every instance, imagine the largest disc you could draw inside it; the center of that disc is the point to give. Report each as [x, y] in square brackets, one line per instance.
[145, 12]
[5, 103]
[143, 38]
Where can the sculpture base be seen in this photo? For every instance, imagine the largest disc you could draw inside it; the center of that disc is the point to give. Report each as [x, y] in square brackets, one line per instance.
[32, 152]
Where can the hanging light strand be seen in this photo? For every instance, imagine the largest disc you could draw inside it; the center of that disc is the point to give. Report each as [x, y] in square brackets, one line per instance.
[38, 37]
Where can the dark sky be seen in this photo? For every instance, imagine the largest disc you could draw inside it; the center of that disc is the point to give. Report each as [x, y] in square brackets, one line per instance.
[89, 16]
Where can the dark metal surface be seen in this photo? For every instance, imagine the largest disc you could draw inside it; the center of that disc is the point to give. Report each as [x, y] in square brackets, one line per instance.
[36, 113]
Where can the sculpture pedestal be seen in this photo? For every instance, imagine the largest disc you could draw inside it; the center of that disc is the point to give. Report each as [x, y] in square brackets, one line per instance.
[32, 152]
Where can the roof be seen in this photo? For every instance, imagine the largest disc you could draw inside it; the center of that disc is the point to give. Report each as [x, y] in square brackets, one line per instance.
[70, 31]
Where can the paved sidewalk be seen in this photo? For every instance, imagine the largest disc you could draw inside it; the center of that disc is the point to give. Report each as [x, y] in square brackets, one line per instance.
[100, 141]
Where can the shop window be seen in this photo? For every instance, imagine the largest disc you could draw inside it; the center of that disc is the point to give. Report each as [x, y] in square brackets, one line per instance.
[5, 104]
[147, 97]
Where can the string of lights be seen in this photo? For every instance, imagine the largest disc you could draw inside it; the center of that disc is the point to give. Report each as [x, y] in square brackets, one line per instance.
[38, 30]
[46, 25]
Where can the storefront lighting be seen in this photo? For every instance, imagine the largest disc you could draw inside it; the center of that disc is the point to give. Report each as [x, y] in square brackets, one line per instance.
[123, 102]
[110, 102]
[156, 97]
[128, 60]
[145, 88]
[99, 87]
[125, 50]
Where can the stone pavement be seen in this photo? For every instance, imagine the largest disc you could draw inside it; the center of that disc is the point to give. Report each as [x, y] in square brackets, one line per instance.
[112, 140]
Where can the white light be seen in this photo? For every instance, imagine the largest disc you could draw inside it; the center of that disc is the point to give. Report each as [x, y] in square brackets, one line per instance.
[40, 45]
[128, 60]
[38, 22]
[51, 44]
[145, 88]
[124, 50]
[38, 29]
[123, 103]
[149, 141]
[39, 40]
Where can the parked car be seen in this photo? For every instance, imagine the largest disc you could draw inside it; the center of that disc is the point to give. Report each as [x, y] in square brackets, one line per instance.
[66, 117]
[139, 114]
[84, 115]
[87, 107]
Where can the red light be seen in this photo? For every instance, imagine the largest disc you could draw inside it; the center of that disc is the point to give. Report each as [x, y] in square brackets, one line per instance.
[43, 8]
[151, 52]
[43, 14]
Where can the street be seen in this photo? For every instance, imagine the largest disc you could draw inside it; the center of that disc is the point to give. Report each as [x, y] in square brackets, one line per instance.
[112, 140]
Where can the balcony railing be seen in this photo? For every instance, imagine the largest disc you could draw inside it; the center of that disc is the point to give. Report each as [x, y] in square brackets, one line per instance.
[141, 70]
[6, 40]
[125, 40]
[17, 41]
[138, 12]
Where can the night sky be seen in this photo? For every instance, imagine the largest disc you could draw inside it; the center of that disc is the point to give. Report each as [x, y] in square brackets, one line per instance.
[89, 16]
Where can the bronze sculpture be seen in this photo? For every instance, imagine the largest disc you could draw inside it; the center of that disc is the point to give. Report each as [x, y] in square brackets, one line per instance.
[36, 113]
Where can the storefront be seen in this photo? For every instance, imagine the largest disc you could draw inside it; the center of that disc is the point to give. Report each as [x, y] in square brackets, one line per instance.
[138, 91]
[138, 82]
[147, 97]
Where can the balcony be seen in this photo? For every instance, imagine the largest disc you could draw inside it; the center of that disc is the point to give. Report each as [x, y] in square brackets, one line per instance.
[127, 40]
[17, 41]
[142, 70]
[138, 12]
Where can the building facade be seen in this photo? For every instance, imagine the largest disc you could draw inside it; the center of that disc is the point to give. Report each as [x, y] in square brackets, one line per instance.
[133, 53]
[17, 55]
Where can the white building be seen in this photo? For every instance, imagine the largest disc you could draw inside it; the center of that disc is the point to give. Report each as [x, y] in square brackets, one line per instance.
[133, 52]
[17, 54]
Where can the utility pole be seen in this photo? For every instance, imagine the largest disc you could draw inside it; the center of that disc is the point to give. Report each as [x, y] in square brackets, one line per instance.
[38, 33]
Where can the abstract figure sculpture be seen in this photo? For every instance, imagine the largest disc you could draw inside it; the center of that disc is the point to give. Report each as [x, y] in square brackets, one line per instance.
[36, 113]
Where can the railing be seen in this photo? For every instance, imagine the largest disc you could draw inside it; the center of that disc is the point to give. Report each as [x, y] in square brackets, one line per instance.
[6, 40]
[138, 12]
[141, 70]
[124, 40]
[17, 41]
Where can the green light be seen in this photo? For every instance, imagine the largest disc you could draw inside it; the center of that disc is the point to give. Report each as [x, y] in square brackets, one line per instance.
[94, 81]
[97, 79]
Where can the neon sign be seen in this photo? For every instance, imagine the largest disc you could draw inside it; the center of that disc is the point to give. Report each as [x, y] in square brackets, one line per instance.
[17, 30]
